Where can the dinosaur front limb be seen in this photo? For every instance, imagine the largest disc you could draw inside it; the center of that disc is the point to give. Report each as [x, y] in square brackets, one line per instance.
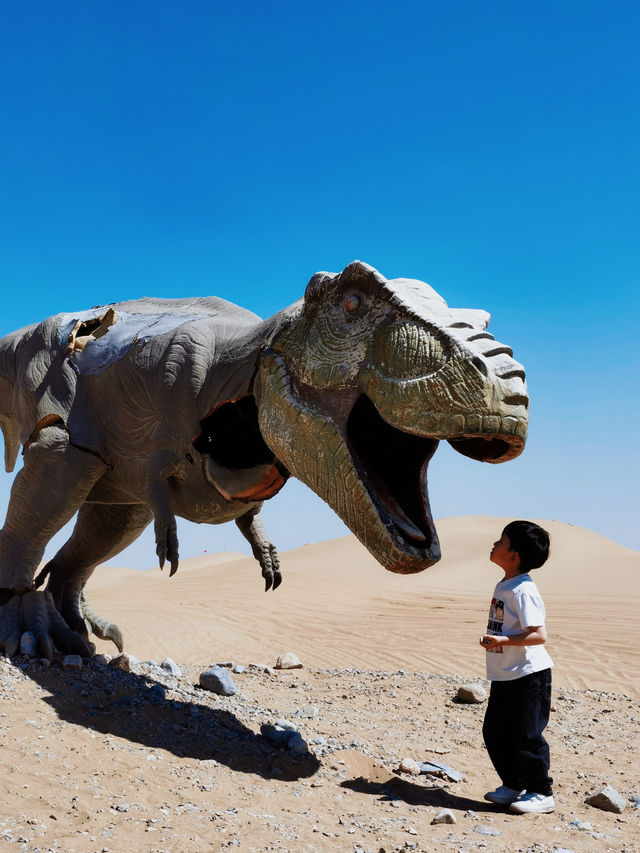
[161, 467]
[252, 528]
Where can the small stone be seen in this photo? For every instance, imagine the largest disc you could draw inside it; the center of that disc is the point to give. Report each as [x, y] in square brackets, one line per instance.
[238, 669]
[408, 765]
[310, 712]
[288, 661]
[483, 829]
[218, 680]
[608, 800]
[171, 668]
[444, 816]
[71, 662]
[581, 824]
[28, 645]
[471, 694]
[227, 664]
[100, 660]
[435, 768]
[285, 725]
[125, 662]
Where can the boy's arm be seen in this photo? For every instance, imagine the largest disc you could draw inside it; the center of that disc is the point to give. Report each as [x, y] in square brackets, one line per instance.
[534, 635]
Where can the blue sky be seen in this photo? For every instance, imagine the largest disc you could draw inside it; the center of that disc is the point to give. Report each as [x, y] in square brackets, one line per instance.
[489, 148]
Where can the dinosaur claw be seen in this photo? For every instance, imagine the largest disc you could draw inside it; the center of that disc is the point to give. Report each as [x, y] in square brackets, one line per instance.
[174, 568]
[277, 580]
[267, 583]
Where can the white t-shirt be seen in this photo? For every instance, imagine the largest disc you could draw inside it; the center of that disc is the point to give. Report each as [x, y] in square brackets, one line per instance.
[516, 605]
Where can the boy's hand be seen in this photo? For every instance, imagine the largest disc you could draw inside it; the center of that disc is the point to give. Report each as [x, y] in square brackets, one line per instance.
[489, 641]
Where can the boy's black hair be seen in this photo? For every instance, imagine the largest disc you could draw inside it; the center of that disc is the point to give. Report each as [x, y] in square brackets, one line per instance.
[530, 542]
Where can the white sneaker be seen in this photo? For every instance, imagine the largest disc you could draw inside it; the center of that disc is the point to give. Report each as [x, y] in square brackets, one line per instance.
[533, 804]
[503, 796]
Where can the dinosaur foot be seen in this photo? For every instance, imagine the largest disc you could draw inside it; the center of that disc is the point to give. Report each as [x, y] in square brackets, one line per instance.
[35, 612]
[268, 559]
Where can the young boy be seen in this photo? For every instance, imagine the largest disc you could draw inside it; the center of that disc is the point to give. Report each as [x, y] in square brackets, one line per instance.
[519, 669]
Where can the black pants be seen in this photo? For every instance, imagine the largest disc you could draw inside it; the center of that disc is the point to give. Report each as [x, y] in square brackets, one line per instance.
[517, 714]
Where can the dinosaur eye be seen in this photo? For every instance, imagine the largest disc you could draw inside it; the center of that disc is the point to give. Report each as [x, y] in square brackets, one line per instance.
[352, 302]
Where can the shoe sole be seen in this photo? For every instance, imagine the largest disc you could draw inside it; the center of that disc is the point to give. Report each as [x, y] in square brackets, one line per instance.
[531, 811]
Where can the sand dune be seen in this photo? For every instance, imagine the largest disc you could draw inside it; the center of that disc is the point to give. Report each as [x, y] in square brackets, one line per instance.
[338, 608]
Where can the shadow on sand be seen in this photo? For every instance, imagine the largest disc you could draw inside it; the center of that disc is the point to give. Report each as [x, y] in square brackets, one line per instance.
[135, 707]
[417, 795]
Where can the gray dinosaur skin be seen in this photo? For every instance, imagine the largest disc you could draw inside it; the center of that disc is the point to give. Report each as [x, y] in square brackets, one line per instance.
[153, 409]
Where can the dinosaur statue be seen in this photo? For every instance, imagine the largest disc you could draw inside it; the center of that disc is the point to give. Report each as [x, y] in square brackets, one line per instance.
[151, 409]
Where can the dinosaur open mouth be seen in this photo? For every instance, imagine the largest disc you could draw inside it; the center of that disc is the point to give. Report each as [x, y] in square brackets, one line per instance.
[393, 466]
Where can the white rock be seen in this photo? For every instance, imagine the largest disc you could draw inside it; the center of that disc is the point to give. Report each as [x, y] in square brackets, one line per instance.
[408, 765]
[444, 816]
[171, 668]
[72, 662]
[125, 662]
[288, 661]
[471, 693]
[608, 800]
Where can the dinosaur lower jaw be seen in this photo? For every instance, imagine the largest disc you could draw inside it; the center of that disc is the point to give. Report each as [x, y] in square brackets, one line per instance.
[393, 467]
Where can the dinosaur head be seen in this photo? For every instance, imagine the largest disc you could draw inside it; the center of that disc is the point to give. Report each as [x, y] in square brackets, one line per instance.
[362, 380]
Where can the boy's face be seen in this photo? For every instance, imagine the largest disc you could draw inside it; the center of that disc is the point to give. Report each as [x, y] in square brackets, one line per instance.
[503, 555]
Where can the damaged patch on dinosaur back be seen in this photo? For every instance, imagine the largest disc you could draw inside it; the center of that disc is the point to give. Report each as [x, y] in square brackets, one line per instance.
[96, 339]
[90, 330]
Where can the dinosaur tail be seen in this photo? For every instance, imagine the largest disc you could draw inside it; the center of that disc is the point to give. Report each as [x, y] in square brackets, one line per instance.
[8, 421]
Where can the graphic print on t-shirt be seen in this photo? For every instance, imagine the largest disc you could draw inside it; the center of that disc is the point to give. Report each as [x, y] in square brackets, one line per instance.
[496, 618]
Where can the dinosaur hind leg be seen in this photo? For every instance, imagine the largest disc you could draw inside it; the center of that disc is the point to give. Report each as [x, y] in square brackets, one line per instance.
[54, 482]
[101, 531]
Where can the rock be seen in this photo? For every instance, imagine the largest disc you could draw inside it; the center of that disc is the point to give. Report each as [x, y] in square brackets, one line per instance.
[444, 816]
[309, 713]
[285, 725]
[227, 664]
[288, 738]
[157, 693]
[238, 669]
[28, 645]
[608, 800]
[581, 824]
[259, 667]
[71, 662]
[100, 660]
[125, 662]
[218, 680]
[471, 694]
[438, 769]
[635, 799]
[288, 661]
[408, 765]
[483, 829]
[171, 668]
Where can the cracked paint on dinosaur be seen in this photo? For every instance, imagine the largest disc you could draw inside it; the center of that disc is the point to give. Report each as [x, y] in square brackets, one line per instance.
[146, 410]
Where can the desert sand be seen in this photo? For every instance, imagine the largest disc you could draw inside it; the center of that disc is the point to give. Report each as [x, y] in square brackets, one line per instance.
[94, 760]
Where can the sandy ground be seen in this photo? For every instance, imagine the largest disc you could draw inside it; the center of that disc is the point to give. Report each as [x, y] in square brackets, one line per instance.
[102, 760]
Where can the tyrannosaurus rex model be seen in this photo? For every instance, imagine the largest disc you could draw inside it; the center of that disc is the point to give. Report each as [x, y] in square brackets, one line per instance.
[157, 408]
